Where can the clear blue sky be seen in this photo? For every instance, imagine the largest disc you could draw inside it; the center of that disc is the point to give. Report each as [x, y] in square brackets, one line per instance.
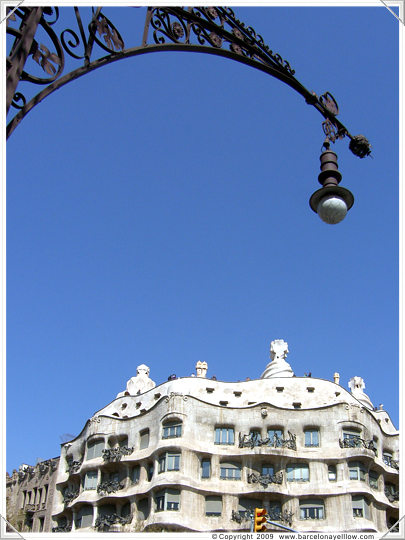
[157, 213]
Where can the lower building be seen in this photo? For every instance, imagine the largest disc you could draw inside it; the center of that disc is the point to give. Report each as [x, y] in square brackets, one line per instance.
[197, 454]
[29, 496]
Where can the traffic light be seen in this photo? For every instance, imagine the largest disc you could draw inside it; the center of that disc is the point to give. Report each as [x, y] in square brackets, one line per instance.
[260, 520]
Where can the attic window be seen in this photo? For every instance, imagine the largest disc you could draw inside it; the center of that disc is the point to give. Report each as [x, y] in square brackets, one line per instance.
[297, 405]
[115, 414]
[138, 404]
[238, 394]
[279, 388]
[337, 394]
[209, 390]
[310, 388]
[124, 406]
[251, 402]
[157, 395]
[143, 411]
[224, 403]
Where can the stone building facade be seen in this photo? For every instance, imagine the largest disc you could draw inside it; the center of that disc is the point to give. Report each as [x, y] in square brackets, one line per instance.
[29, 494]
[197, 454]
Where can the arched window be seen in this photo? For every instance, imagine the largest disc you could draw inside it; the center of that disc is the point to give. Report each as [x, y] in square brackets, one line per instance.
[312, 509]
[84, 517]
[170, 461]
[361, 507]
[357, 471]
[144, 439]
[213, 505]
[172, 429]
[275, 436]
[230, 471]
[298, 472]
[95, 448]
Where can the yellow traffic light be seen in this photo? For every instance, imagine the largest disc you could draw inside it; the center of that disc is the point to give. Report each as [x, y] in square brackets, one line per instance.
[260, 520]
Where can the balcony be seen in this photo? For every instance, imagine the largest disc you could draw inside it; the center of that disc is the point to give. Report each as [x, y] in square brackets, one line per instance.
[358, 442]
[109, 486]
[265, 479]
[104, 522]
[115, 454]
[253, 439]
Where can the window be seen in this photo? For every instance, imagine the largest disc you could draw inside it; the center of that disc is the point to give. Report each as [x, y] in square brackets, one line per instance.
[224, 435]
[298, 473]
[360, 507]
[230, 471]
[213, 505]
[332, 476]
[351, 438]
[149, 471]
[95, 449]
[84, 517]
[274, 512]
[267, 470]
[247, 506]
[312, 509]
[275, 437]
[168, 499]
[205, 468]
[90, 480]
[357, 471]
[143, 509]
[387, 457]
[373, 479]
[256, 436]
[106, 510]
[172, 429]
[41, 524]
[126, 509]
[144, 439]
[169, 462]
[311, 437]
[135, 474]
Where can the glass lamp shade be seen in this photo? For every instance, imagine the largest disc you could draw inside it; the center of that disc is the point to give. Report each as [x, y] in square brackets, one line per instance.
[332, 209]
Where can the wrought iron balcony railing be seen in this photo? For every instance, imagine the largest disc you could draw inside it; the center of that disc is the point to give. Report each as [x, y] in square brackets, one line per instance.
[358, 442]
[115, 454]
[253, 439]
[265, 479]
[109, 486]
[105, 521]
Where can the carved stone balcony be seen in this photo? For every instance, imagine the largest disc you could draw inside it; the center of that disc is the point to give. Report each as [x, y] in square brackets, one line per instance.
[30, 507]
[265, 479]
[109, 486]
[253, 439]
[115, 454]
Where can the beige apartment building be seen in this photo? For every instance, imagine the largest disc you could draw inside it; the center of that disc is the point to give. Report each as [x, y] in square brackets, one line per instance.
[197, 454]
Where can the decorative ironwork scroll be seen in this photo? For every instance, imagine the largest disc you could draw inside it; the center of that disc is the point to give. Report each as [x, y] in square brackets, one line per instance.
[212, 30]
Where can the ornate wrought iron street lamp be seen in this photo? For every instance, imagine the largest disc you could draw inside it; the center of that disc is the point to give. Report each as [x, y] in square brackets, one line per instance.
[211, 30]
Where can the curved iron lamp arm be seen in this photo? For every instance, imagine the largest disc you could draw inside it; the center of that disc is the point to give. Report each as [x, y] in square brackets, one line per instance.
[210, 30]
